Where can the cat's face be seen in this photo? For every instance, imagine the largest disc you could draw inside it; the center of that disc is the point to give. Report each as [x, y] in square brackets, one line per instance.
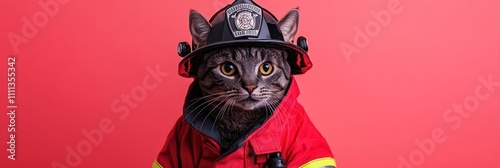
[246, 77]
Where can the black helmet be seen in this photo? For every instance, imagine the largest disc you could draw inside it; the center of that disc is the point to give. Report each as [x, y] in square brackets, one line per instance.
[244, 23]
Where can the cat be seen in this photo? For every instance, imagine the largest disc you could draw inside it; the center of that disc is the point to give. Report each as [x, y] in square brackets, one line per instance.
[241, 109]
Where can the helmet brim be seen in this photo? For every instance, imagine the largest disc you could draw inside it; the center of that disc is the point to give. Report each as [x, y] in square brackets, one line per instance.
[299, 59]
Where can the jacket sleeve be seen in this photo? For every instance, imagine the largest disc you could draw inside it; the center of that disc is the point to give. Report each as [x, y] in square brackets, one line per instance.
[309, 149]
[169, 154]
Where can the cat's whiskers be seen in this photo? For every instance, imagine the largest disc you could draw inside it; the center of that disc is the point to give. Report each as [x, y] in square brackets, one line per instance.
[284, 115]
[207, 96]
[203, 98]
[211, 111]
[209, 101]
[223, 109]
[226, 107]
[279, 116]
[282, 118]
[205, 104]
[270, 108]
[294, 107]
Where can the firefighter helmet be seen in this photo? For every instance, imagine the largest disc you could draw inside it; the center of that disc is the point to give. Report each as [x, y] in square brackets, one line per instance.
[244, 23]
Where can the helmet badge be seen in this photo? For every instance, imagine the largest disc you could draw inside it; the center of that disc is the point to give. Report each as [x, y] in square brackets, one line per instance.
[244, 20]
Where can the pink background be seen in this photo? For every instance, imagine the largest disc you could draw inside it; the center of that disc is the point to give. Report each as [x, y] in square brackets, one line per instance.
[374, 107]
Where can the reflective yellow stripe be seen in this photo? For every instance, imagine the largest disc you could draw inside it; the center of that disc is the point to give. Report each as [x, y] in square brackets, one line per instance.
[157, 165]
[326, 161]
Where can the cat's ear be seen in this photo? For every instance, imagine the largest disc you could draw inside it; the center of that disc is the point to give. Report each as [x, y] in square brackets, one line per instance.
[199, 28]
[289, 25]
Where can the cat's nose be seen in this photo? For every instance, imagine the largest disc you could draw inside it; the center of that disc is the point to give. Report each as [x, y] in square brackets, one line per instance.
[250, 88]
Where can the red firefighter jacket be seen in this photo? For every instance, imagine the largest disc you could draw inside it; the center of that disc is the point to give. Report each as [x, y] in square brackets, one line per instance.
[289, 131]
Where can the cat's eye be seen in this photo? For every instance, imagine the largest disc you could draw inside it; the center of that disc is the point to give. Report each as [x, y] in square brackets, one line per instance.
[266, 68]
[228, 69]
